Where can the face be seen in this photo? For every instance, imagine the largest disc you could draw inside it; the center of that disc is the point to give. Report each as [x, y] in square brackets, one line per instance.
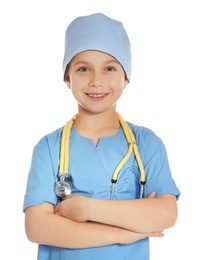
[96, 80]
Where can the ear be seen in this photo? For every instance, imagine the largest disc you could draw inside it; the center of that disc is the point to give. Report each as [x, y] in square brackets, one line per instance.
[67, 80]
[126, 82]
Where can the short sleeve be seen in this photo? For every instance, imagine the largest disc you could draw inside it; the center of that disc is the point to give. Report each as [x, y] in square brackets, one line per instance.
[155, 162]
[42, 176]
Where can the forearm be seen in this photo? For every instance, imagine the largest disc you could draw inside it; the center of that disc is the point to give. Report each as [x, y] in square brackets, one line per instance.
[140, 215]
[50, 229]
[45, 227]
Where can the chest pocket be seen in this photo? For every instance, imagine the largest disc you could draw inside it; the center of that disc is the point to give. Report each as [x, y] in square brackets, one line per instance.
[127, 186]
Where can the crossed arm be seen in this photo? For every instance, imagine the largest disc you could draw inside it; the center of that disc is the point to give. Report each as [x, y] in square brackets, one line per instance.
[81, 222]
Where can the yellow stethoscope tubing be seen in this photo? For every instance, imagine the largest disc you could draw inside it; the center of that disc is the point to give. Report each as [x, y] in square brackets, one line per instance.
[132, 146]
[64, 150]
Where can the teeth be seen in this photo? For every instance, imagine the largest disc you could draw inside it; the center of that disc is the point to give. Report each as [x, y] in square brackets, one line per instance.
[96, 95]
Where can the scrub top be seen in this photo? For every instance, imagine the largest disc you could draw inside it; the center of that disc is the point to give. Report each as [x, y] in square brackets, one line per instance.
[90, 170]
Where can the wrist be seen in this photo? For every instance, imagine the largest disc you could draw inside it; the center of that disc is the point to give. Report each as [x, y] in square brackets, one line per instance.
[89, 209]
[92, 209]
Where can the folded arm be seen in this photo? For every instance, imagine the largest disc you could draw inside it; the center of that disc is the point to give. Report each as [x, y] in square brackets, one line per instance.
[43, 226]
[140, 215]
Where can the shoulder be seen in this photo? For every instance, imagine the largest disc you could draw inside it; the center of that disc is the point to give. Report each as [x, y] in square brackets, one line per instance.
[142, 132]
[51, 139]
[146, 138]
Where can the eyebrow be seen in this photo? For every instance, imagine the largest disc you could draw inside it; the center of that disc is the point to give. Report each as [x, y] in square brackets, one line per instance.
[80, 62]
[87, 62]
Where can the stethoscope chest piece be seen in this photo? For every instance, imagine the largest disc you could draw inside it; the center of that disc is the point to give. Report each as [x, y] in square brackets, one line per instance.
[63, 187]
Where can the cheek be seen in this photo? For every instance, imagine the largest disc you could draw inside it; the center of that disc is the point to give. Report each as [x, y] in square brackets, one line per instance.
[122, 84]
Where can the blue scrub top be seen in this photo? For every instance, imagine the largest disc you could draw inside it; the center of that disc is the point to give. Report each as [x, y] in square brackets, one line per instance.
[91, 169]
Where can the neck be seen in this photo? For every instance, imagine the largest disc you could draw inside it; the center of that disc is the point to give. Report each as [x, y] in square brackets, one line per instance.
[96, 126]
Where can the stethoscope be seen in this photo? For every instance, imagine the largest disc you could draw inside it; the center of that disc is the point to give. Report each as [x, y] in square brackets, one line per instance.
[63, 187]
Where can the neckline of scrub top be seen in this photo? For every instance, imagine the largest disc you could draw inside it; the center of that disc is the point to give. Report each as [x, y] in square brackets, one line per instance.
[101, 139]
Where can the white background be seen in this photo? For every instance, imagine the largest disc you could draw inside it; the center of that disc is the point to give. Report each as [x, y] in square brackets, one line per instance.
[169, 93]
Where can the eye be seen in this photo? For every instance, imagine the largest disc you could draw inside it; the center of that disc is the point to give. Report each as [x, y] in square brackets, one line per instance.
[110, 68]
[83, 69]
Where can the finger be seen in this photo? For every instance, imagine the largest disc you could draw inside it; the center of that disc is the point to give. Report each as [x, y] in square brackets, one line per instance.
[67, 197]
[156, 234]
[152, 194]
[56, 208]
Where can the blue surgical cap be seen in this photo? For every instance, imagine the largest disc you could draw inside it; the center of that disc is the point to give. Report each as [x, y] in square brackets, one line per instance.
[98, 32]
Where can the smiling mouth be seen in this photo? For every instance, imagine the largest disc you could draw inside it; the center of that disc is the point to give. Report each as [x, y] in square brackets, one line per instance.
[96, 95]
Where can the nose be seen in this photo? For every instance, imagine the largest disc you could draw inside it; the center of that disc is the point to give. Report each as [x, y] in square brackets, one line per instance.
[96, 80]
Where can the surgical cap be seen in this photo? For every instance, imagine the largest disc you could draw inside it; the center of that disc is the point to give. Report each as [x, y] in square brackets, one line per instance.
[98, 32]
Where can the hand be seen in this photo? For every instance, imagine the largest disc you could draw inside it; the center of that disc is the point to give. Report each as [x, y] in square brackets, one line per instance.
[74, 207]
[127, 236]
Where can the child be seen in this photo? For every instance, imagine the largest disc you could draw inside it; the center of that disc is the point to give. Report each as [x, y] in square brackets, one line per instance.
[71, 211]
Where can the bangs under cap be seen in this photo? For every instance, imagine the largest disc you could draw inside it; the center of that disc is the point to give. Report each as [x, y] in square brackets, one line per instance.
[98, 32]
